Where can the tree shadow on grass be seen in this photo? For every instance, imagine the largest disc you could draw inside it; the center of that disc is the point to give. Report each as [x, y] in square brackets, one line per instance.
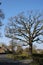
[19, 63]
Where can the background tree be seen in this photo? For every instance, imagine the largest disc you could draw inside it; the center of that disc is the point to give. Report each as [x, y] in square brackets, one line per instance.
[27, 49]
[1, 18]
[13, 44]
[26, 28]
[41, 52]
[6, 49]
[34, 50]
[0, 3]
[19, 50]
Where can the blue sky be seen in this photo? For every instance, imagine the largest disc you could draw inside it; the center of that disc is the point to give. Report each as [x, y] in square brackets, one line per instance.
[14, 7]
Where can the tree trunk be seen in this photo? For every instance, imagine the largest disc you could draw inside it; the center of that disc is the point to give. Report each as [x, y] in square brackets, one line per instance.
[30, 49]
[12, 47]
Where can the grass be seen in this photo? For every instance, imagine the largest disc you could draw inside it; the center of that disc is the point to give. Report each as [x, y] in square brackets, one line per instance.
[18, 57]
[11, 56]
[34, 63]
[38, 60]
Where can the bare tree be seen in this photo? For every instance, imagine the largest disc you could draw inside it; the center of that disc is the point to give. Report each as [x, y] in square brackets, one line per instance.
[13, 44]
[28, 29]
[19, 50]
[1, 18]
[0, 3]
